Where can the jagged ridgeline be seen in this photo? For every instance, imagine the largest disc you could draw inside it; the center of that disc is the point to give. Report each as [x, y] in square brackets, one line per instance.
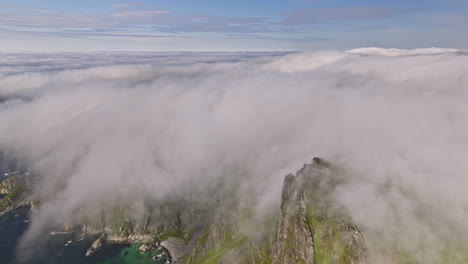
[308, 227]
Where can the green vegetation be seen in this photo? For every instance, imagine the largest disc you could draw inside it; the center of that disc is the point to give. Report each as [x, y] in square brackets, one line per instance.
[454, 254]
[92, 222]
[263, 256]
[214, 243]
[329, 247]
[214, 256]
[179, 233]
[120, 223]
[455, 257]
[11, 197]
[176, 231]
[13, 187]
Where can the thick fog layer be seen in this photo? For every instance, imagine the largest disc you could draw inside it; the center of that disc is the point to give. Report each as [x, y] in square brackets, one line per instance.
[105, 127]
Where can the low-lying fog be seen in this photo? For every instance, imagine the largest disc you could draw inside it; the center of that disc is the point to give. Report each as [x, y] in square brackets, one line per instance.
[101, 127]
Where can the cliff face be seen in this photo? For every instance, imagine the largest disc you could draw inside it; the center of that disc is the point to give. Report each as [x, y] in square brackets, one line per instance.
[215, 242]
[294, 242]
[336, 238]
[311, 228]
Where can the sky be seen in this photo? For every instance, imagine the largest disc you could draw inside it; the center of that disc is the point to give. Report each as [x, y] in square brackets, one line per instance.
[241, 25]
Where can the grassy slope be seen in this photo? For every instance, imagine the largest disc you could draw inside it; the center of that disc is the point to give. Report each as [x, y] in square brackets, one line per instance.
[10, 198]
[214, 256]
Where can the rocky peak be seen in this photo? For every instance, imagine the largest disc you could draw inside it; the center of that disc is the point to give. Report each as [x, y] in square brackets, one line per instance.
[294, 241]
[311, 227]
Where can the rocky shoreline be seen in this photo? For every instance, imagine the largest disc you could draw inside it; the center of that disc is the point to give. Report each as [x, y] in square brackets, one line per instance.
[147, 244]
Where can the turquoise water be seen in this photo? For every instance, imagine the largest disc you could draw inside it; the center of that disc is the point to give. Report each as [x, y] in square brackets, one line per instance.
[130, 255]
[56, 249]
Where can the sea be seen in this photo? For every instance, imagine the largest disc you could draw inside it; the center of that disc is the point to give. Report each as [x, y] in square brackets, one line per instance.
[64, 248]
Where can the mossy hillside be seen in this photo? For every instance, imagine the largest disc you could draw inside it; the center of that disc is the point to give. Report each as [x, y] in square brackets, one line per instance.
[308, 213]
[449, 254]
[454, 256]
[12, 188]
[262, 246]
[11, 197]
[176, 230]
[332, 230]
[248, 245]
[116, 220]
[179, 233]
[120, 224]
[262, 255]
[336, 238]
[216, 236]
[328, 243]
[113, 220]
[13, 182]
[215, 255]
[221, 237]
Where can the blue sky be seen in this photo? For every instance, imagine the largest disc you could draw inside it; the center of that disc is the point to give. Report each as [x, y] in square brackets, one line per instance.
[256, 25]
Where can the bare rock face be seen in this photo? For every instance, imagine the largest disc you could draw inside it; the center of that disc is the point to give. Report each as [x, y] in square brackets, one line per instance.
[311, 227]
[177, 248]
[217, 240]
[294, 241]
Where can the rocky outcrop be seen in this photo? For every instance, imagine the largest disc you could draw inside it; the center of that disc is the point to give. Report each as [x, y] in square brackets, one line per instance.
[97, 245]
[336, 238]
[311, 227]
[215, 242]
[13, 188]
[178, 249]
[294, 241]
[145, 247]
[132, 238]
[13, 182]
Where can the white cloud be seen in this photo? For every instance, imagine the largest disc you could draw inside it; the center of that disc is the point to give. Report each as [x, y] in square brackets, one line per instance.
[129, 127]
[401, 52]
[139, 15]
